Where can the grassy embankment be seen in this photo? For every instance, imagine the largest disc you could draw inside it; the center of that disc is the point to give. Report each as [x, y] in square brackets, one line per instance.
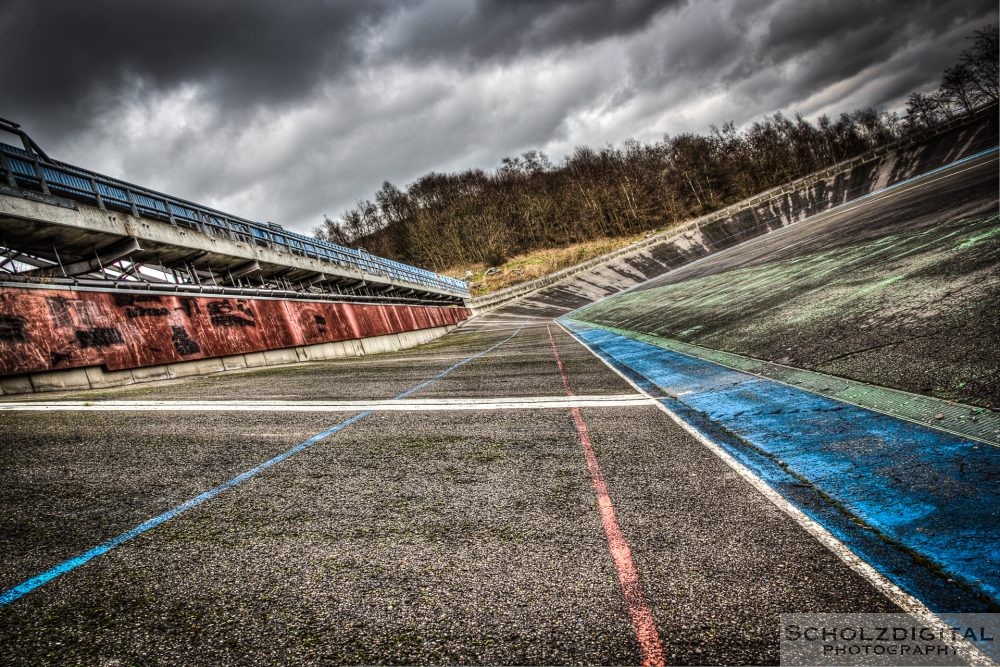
[537, 263]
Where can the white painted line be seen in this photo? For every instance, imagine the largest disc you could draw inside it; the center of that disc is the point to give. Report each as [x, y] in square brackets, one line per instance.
[402, 405]
[498, 325]
[500, 318]
[490, 328]
[901, 598]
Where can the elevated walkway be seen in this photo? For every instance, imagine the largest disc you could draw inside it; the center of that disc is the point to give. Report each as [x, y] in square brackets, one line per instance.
[66, 225]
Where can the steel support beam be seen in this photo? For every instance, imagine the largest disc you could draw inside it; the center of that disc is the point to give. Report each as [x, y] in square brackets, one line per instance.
[104, 257]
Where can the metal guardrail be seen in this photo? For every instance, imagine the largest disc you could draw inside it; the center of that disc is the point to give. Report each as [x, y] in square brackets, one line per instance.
[33, 170]
[493, 300]
[183, 289]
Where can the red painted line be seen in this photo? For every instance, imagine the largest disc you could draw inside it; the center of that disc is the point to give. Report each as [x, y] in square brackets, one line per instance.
[639, 611]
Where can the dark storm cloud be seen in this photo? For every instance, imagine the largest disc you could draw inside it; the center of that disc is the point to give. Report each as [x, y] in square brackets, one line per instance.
[72, 57]
[75, 57]
[837, 39]
[500, 29]
[288, 110]
[805, 26]
[729, 44]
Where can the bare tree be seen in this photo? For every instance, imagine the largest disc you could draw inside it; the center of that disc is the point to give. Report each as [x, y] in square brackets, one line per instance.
[981, 61]
[445, 220]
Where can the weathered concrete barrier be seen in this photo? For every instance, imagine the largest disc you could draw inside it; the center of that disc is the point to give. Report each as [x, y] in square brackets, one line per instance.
[52, 339]
[608, 274]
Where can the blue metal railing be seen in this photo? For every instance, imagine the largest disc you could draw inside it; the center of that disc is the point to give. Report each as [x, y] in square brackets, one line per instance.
[22, 169]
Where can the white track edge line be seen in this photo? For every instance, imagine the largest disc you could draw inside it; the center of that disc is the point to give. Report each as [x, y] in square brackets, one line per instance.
[904, 600]
[472, 403]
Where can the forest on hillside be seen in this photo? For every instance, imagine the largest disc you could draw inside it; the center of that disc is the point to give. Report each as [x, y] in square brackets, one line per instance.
[528, 203]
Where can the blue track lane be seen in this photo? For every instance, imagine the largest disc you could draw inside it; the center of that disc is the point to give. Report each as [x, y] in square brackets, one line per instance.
[920, 505]
[62, 568]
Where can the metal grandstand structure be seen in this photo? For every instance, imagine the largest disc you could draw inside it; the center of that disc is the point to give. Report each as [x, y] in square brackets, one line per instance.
[65, 225]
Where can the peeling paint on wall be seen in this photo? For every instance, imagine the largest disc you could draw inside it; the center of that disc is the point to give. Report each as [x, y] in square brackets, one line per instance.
[42, 330]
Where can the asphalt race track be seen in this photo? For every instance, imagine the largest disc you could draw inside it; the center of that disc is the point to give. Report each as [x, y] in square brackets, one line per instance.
[405, 537]
[900, 289]
[578, 524]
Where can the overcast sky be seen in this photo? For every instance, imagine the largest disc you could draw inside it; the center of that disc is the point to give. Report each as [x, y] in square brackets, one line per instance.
[288, 110]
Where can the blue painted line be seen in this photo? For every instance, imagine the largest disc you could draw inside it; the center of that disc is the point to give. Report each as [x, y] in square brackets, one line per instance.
[921, 506]
[29, 585]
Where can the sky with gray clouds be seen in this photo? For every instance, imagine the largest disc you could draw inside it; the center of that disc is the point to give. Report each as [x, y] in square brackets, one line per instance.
[286, 111]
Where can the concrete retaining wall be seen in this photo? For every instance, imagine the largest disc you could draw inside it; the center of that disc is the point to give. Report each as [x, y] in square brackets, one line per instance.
[96, 377]
[589, 281]
[54, 339]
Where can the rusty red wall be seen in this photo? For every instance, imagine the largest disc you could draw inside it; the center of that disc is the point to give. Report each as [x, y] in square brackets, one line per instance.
[42, 330]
